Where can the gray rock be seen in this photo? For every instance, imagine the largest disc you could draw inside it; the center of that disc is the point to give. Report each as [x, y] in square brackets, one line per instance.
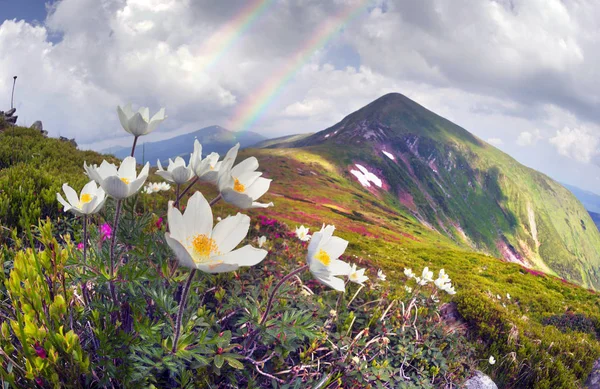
[37, 125]
[480, 381]
[593, 381]
[10, 112]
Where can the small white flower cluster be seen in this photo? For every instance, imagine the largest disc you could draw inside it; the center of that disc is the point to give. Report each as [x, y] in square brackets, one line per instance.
[302, 233]
[153, 187]
[443, 281]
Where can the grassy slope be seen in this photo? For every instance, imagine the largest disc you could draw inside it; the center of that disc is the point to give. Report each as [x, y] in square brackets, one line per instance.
[460, 185]
[310, 189]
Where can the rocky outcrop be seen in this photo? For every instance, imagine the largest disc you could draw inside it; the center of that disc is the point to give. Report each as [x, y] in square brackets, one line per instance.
[37, 125]
[593, 381]
[71, 141]
[9, 116]
[480, 381]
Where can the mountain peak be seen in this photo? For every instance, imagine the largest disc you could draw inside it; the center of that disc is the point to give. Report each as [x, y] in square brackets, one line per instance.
[392, 116]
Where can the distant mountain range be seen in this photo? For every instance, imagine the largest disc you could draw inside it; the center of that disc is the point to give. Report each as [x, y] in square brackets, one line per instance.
[213, 139]
[430, 170]
[590, 201]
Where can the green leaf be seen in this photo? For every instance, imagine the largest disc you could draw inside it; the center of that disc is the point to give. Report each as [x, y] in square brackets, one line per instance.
[219, 360]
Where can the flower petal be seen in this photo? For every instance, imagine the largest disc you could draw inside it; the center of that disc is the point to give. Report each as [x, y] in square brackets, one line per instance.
[229, 232]
[214, 267]
[127, 169]
[198, 217]
[335, 247]
[244, 256]
[176, 224]
[136, 184]
[249, 164]
[137, 125]
[71, 195]
[61, 200]
[184, 258]
[115, 188]
[123, 118]
[240, 200]
[339, 268]
[258, 188]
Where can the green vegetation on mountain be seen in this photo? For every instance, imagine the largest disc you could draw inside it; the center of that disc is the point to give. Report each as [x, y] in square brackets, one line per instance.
[467, 190]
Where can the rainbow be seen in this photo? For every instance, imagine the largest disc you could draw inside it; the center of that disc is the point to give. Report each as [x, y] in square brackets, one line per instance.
[213, 49]
[251, 110]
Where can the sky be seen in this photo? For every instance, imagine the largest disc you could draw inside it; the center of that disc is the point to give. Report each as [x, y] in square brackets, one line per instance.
[520, 74]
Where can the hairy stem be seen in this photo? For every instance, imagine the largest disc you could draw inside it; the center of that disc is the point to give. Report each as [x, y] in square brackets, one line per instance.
[177, 188]
[184, 296]
[113, 243]
[135, 138]
[84, 283]
[272, 296]
[215, 200]
[179, 196]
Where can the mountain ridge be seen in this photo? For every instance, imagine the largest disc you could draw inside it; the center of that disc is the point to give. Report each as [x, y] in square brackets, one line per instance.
[213, 139]
[460, 186]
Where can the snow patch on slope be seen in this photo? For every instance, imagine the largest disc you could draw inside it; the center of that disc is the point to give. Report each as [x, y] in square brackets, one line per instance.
[365, 177]
[390, 156]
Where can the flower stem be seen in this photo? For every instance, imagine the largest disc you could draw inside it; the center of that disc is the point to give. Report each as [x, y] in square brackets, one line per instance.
[186, 189]
[272, 296]
[135, 138]
[84, 283]
[112, 252]
[184, 296]
[177, 188]
[214, 201]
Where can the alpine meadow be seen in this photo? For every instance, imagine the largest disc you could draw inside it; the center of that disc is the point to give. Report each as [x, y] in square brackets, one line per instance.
[298, 206]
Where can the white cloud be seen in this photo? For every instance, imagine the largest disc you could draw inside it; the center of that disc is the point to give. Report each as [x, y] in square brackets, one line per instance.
[577, 143]
[495, 141]
[504, 70]
[528, 138]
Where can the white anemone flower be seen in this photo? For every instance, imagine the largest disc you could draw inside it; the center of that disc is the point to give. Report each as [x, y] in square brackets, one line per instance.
[408, 289]
[261, 241]
[302, 233]
[177, 171]
[90, 201]
[242, 185]
[380, 275]
[206, 169]
[154, 187]
[118, 183]
[139, 123]
[427, 275]
[449, 289]
[492, 360]
[322, 258]
[357, 275]
[409, 273]
[198, 245]
[508, 296]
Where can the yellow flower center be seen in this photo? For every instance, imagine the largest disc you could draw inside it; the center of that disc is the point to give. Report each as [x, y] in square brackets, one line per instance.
[85, 198]
[203, 247]
[125, 180]
[323, 257]
[238, 186]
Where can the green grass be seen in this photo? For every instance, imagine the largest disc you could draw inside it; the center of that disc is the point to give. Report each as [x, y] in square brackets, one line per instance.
[311, 186]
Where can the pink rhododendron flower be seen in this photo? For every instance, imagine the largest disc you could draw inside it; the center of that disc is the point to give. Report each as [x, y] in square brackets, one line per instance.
[80, 246]
[105, 232]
